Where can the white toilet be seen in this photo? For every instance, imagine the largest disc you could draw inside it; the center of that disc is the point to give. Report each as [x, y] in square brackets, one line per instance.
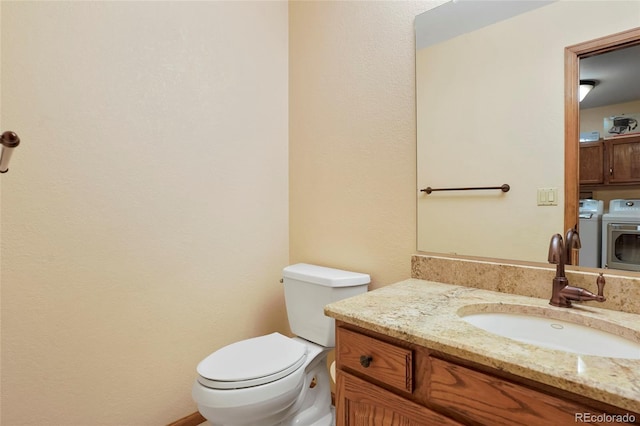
[273, 379]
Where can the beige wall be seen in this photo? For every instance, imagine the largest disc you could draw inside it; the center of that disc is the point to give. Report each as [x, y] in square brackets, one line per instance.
[491, 111]
[144, 217]
[1, 127]
[352, 135]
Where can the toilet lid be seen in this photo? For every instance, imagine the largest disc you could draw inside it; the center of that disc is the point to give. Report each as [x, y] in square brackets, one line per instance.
[252, 362]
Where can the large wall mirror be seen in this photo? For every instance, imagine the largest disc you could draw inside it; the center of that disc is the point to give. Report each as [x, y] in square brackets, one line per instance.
[491, 111]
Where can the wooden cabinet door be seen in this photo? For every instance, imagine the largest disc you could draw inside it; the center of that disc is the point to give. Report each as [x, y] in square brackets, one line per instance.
[360, 403]
[489, 400]
[591, 163]
[624, 160]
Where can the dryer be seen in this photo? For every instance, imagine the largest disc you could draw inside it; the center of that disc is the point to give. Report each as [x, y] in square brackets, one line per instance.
[621, 235]
[590, 215]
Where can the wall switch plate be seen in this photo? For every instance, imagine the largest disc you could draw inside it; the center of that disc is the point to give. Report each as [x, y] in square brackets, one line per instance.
[547, 196]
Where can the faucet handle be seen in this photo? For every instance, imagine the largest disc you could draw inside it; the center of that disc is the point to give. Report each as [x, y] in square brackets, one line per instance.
[600, 282]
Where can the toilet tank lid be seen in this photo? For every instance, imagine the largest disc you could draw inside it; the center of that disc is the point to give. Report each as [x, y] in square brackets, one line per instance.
[322, 275]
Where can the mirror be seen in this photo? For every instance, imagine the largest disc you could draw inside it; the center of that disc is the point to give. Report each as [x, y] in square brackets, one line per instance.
[490, 111]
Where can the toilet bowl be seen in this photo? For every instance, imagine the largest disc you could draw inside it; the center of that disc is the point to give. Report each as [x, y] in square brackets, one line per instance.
[263, 380]
[273, 379]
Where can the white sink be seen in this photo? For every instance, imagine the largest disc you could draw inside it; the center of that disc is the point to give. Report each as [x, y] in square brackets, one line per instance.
[555, 334]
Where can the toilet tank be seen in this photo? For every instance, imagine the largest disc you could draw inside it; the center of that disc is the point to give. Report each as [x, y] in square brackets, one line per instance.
[308, 288]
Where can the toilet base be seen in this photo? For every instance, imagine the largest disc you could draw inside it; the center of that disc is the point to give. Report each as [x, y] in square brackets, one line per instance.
[328, 420]
[314, 406]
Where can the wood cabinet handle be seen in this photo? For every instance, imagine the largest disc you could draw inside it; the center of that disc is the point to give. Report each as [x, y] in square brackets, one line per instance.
[365, 360]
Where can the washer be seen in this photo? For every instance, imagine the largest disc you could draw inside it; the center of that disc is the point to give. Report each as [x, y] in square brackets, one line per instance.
[590, 214]
[621, 235]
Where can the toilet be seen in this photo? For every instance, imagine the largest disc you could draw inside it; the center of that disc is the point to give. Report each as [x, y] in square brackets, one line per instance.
[277, 380]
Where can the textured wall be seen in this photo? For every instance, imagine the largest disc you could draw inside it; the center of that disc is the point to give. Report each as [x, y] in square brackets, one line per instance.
[352, 135]
[145, 218]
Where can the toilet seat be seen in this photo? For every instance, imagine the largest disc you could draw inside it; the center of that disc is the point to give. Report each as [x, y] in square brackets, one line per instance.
[252, 362]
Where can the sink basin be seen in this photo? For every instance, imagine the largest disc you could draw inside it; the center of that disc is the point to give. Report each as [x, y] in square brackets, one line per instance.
[552, 333]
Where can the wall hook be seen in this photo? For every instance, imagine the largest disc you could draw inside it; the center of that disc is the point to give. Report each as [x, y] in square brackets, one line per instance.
[9, 141]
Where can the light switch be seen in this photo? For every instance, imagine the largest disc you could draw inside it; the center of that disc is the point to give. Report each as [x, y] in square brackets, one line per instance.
[547, 196]
[542, 197]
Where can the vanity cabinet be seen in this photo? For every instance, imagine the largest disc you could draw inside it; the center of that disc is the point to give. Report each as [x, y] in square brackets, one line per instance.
[610, 162]
[383, 381]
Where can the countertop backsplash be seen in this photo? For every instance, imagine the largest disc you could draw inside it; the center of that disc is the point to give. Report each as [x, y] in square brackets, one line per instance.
[622, 292]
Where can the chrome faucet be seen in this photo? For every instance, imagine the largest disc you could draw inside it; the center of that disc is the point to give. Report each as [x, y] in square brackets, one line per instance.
[560, 255]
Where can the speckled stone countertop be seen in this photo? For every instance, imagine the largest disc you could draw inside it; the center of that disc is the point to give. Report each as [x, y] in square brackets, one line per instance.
[426, 313]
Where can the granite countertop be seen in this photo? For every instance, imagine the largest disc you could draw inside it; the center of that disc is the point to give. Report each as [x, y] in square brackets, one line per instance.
[426, 313]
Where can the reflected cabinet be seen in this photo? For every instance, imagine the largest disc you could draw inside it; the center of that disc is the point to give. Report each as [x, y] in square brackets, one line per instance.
[610, 162]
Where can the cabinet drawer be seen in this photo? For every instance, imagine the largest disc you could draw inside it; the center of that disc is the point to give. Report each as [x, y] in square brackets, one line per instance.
[378, 360]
